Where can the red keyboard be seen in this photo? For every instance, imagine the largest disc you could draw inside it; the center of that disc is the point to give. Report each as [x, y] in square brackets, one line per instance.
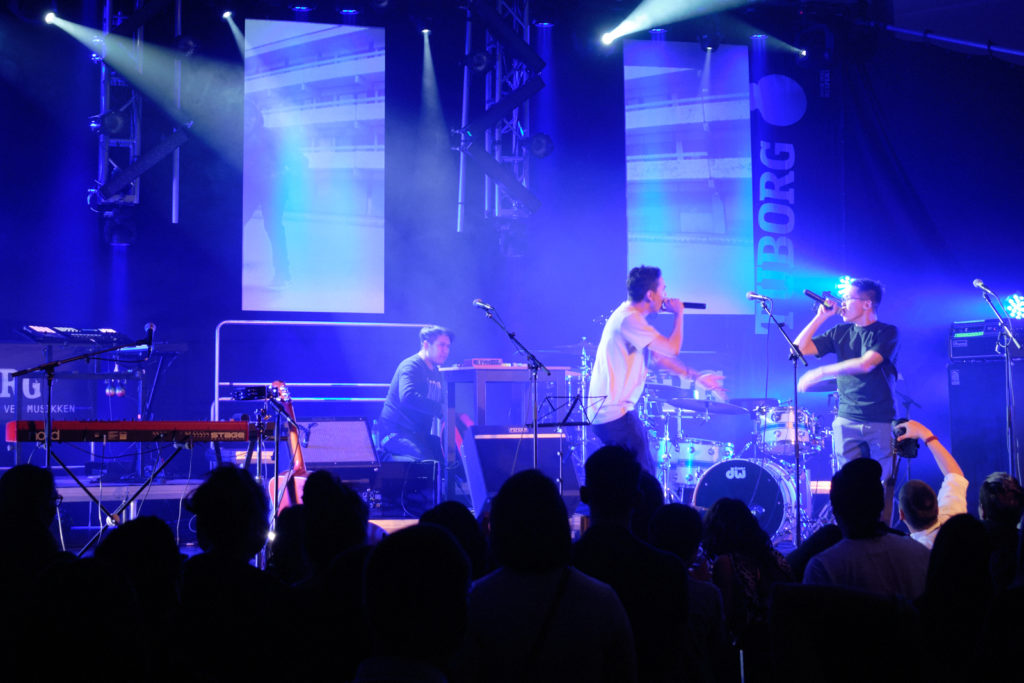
[129, 431]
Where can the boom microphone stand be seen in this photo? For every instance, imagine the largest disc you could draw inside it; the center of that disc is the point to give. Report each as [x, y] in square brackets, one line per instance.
[796, 356]
[49, 368]
[534, 364]
[1003, 347]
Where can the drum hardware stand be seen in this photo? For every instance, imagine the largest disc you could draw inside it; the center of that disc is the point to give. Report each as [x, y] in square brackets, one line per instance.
[534, 364]
[1003, 348]
[796, 357]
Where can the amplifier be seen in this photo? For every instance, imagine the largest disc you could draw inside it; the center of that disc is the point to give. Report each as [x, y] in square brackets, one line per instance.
[976, 339]
[493, 453]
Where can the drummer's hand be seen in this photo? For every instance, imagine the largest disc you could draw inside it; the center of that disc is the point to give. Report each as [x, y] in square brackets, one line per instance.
[915, 430]
[712, 381]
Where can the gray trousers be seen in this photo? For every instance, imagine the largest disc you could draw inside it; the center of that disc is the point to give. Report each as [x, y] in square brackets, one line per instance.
[852, 439]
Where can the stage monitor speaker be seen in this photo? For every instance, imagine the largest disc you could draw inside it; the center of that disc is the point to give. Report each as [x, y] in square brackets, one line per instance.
[494, 453]
[977, 407]
[338, 442]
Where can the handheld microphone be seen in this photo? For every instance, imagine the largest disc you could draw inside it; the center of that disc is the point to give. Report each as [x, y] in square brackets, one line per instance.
[981, 285]
[479, 303]
[150, 329]
[820, 299]
[754, 296]
[686, 304]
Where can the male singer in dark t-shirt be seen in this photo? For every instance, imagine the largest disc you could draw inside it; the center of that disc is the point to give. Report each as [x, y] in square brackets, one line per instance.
[410, 421]
[864, 374]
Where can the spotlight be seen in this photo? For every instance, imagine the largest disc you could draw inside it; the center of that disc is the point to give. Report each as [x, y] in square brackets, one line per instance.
[119, 228]
[657, 32]
[425, 31]
[709, 42]
[480, 62]
[607, 38]
[348, 11]
[1015, 306]
[540, 145]
[302, 7]
[226, 15]
[543, 24]
[803, 53]
[186, 44]
[49, 17]
[112, 123]
[844, 285]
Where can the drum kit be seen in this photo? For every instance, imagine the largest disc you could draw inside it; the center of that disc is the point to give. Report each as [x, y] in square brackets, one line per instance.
[763, 474]
[699, 471]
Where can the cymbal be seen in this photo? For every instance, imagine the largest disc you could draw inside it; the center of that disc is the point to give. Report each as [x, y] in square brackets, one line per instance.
[574, 348]
[698, 405]
[827, 386]
[755, 403]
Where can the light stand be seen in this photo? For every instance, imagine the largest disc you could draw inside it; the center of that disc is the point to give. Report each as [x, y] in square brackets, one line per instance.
[796, 356]
[1003, 346]
[534, 364]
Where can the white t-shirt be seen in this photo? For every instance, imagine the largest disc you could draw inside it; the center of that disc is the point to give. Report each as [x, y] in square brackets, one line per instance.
[952, 501]
[620, 369]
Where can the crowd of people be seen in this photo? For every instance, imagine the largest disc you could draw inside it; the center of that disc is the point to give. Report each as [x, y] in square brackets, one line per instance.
[665, 595]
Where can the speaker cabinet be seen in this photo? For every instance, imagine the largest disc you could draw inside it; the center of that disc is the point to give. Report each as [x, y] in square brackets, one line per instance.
[494, 453]
[337, 442]
[977, 406]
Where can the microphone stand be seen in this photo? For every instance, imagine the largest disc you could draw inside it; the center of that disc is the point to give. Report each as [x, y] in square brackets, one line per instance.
[1003, 346]
[796, 356]
[49, 368]
[534, 364]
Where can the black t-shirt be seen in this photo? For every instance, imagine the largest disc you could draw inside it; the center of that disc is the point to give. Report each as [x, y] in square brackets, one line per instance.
[867, 397]
[415, 398]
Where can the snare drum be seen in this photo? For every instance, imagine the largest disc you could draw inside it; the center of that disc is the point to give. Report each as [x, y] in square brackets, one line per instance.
[766, 487]
[689, 457]
[776, 427]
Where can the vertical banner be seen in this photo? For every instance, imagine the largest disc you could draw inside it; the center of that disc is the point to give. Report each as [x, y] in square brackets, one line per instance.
[313, 177]
[688, 169]
[797, 183]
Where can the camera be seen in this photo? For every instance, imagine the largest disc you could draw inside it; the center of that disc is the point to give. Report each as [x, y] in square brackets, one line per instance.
[908, 447]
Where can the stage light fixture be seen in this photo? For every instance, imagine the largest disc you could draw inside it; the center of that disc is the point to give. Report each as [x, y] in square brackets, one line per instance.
[480, 62]
[49, 17]
[119, 228]
[1015, 306]
[481, 11]
[425, 31]
[540, 145]
[543, 24]
[186, 44]
[844, 285]
[226, 15]
[710, 41]
[113, 123]
[302, 7]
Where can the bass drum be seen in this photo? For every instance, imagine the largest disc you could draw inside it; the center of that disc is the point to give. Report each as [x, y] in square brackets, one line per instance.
[766, 487]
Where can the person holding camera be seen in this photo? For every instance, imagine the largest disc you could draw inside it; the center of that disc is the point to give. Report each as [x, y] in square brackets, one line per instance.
[865, 374]
[920, 508]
